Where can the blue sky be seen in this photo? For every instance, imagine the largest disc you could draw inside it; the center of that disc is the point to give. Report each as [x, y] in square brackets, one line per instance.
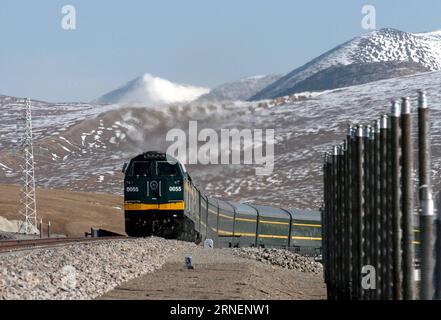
[198, 42]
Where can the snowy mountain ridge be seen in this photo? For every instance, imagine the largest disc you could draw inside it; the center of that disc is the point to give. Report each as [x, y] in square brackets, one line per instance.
[384, 45]
[242, 89]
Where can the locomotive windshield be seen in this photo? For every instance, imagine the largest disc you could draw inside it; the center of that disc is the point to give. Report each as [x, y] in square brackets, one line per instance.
[166, 169]
[142, 168]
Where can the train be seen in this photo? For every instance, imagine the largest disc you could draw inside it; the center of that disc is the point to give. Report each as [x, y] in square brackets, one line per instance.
[161, 199]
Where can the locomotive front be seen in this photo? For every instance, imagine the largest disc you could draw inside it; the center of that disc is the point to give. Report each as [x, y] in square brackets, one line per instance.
[154, 195]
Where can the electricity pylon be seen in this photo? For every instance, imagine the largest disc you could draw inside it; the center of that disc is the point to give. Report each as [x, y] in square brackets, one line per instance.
[28, 204]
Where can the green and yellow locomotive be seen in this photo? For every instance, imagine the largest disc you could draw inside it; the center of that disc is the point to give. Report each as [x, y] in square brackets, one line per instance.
[154, 196]
[160, 199]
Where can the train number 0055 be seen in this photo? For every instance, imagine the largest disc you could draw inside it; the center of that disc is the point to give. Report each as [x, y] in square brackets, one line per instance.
[175, 188]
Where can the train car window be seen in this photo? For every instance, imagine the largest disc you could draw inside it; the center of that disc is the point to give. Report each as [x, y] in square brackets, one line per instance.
[166, 169]
[142, 168]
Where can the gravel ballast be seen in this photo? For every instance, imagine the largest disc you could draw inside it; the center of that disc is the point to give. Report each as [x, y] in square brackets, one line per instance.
[219, 274]
[82, 271]
[282, 258]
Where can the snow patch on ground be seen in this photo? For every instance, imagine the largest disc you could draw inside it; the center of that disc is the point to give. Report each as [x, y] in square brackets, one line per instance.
[13, 226]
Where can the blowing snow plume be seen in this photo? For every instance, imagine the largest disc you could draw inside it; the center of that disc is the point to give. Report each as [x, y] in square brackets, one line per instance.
[151, 90]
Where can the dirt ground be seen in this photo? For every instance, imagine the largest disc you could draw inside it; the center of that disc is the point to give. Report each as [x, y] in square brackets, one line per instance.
[218, 275]
[70, 213]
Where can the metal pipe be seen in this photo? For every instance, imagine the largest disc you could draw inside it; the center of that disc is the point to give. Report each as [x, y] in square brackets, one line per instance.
[426, 229]
[372, 202]
[323, 219]
[367, 211]
[206, 217]
[377, 214]
[337, 222]
[348, 213]
[234, 227]
[427, 213]
[384, 206]
[256, 240]
[329, 237]
[396, 200]
[217, 219]
[388, 213]
[340, 222]
[291, 221]
[354, 227]
[326, 245]
[424, 154]
[329, 225]
[407, 201]
[437, 272]
[334, 239]
[360, 210]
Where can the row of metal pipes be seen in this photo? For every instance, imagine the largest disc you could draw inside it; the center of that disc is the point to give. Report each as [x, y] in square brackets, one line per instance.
[373, 238]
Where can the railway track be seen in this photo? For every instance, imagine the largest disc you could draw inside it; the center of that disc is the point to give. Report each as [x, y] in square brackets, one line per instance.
[16, 245]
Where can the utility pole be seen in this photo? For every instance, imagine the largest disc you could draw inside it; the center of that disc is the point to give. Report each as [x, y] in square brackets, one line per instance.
[28, 205]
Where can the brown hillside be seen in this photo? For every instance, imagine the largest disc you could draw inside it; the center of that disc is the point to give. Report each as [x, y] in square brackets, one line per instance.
[70, 213]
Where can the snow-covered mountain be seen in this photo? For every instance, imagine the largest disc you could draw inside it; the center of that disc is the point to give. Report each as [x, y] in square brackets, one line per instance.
[397, 52]
[242, 89]
[150, 90]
